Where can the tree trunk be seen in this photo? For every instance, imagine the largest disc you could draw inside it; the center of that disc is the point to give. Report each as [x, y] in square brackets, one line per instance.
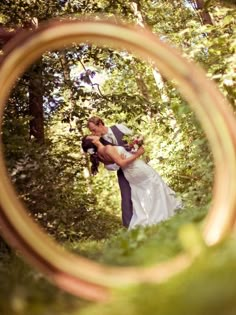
[36, 102]
[205, 16]
[35, 83]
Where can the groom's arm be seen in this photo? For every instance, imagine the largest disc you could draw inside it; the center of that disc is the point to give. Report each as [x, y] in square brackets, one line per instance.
[124, 129]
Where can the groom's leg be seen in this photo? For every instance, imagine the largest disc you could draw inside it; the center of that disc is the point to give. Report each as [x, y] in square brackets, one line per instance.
[126, 202]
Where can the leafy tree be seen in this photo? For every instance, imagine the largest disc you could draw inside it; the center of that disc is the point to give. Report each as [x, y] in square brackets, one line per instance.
[65, 86]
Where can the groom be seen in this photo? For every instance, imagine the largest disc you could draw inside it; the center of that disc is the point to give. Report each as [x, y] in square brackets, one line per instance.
[113, 135]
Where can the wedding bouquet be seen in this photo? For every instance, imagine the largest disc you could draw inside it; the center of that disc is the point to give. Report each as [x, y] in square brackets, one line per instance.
[133, 142]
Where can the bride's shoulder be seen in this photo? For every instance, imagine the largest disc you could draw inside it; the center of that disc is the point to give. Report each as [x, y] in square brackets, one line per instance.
[112, 148]
[108, 148]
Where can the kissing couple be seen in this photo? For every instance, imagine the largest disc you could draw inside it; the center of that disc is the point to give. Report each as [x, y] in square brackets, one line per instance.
[145, 198]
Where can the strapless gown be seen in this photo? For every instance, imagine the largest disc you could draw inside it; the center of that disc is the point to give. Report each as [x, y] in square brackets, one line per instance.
[153, 201]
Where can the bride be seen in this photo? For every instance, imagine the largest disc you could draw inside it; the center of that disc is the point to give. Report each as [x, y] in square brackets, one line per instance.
[153, 201]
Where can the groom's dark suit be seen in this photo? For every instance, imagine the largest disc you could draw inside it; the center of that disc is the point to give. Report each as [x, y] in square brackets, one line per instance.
[126, 202]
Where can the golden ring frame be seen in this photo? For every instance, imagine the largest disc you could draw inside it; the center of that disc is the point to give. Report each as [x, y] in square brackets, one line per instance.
[79, 275]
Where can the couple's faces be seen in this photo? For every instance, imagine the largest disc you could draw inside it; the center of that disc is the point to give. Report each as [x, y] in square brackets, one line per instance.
[96, 130]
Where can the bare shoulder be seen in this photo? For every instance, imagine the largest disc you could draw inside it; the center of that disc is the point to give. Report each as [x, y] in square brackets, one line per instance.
[109, 148]
[110, 153]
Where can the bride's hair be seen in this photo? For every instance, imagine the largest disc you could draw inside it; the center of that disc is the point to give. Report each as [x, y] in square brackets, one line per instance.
[90, 148]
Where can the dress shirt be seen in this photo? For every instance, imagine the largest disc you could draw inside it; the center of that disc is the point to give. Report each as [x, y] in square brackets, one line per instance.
[110, 137]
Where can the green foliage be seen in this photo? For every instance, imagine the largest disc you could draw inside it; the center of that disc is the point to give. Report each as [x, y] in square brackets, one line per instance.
[51, 185]
[204, 44]
[24, 291]
[49, 180]
[83, 212]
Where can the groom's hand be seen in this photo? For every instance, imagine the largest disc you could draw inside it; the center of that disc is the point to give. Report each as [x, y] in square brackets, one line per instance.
[140, 150]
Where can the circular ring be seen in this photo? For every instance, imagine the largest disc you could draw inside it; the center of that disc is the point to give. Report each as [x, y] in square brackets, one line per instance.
[76, 274]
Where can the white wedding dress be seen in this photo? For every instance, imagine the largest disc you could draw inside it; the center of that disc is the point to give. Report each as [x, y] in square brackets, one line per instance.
[153, 201]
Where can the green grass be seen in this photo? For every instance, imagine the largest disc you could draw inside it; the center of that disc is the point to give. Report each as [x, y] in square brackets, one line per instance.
[207, 287]
[131, 248]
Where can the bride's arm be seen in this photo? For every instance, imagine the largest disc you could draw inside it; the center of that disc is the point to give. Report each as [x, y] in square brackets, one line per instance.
[117, 158]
